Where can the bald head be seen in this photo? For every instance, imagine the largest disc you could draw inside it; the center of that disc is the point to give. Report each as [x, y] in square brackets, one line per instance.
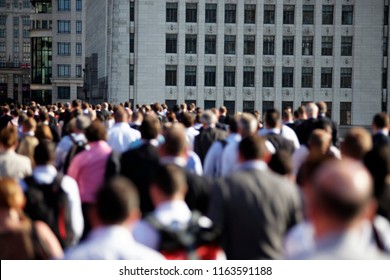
[342, 190]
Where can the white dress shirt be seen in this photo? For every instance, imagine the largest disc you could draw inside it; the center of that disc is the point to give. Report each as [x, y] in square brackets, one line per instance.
[286, 132]
[171, 213]
[113, 242]
[121, 135]
[213, 160]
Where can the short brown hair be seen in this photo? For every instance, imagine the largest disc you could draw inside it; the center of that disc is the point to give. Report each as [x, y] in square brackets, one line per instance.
[96, 132]
[9, 136]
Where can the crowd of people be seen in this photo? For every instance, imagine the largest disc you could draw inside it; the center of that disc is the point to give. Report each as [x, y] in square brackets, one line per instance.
[82, 181]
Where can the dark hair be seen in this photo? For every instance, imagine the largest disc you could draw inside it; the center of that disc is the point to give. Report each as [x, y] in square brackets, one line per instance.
[170, 179]
[271, 118]
[381, 120]
[281, 163]
[44, 152]
[252, 147]
[116, 199]
[96, 132]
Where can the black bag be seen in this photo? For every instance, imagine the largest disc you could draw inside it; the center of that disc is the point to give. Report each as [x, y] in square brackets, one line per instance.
[78, 146]
[50, 204]
[196, 241]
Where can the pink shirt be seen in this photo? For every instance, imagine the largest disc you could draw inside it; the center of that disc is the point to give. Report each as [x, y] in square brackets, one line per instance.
[88, 168]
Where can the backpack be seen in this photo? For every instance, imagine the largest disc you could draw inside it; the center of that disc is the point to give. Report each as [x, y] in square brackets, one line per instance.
[49, 203]
[194, 242]
[77, 147]
[26, 240]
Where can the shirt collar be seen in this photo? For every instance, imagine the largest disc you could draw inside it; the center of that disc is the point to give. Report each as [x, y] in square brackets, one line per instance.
[253, 164]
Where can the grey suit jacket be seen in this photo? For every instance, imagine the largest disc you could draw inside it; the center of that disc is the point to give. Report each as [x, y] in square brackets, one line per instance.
[254, 209]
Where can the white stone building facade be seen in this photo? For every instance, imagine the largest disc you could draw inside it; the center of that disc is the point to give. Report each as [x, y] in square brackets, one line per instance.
[244, 54]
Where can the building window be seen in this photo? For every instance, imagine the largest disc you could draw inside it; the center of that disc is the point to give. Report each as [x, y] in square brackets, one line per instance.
[16, 48]
[384, 78]
[2, 3]
[3, 20]
[190, 43]
[269, 14]
[2, 47]
[288, 45]
[63, 92]
[230, 44]
[269, 45]
[308, 14]
[131, 75]
[230, 13]
[191, 12]
[248, 106]
[230, 106]
[345, 77]
[79, 5]
[63, 49]
[208, 104]
[171, 10]
[210, 44]
[268, 77]
[386, 16]
[16, 33]
[63, 5]
[26, 33]
[132, 11]
[307, 45]
[79, 49]
[26, 21]
[78, 71]
[131, 42]
[211, 13]
[385, 46]
[326, 77]
[209, 76]
[63, 26]
[250, 13]
[190, 76]
[288, 14]
[287, 77]
[26, 47]
[249, 77]
[16, 21]
[170, 75]
[63, 70]
[26, 4]
[2, 33]
[79, 26]
[327, 14]
[229, 77]
[307, 77]
[249, 44]
[345, 113]
[327, 46]
[267, 105]
[170, 43]
[347, 15]
[346, 45]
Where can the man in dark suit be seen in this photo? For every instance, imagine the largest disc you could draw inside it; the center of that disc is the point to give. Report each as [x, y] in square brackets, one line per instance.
[304, 130]
[253, 208]
[174, 150]
[380, 129]
[6, 117]
[140, 163]
[322, 109]
[208, 134]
